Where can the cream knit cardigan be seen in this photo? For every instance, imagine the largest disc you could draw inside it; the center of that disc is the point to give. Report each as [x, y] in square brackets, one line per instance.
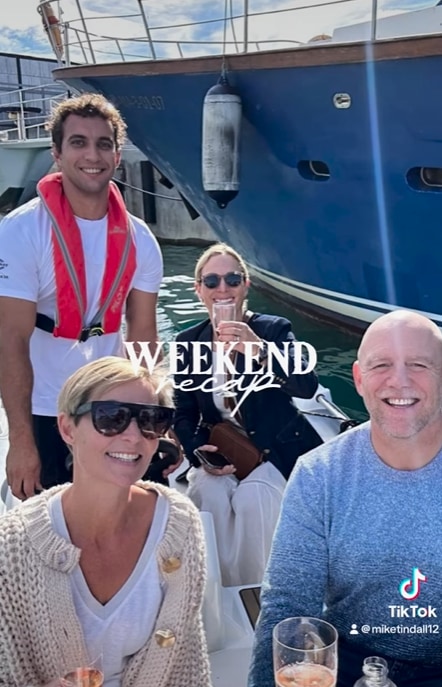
[40, 635]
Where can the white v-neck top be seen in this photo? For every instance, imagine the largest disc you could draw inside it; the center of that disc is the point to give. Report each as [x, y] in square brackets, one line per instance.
[119, 628]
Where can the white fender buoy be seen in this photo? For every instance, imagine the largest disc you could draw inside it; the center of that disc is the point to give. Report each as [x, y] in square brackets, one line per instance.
[220, 145]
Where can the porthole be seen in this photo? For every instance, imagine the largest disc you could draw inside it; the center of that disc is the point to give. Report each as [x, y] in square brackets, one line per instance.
[425, 178]
[342, 101]
[314, 170]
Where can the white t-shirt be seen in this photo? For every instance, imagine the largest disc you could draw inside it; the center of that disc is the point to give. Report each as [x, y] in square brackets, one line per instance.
[120, 628]
[27, 272]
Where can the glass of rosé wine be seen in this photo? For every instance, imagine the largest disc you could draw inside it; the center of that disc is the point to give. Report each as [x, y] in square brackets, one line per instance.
[85, 676]
[305, 653]
[223, 312]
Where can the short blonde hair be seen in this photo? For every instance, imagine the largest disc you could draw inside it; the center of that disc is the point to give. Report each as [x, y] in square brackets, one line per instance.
[106, 373]
[219, 249]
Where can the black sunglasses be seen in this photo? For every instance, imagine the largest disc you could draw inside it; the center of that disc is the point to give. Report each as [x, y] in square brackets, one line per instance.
[113, 417]
[212, 281]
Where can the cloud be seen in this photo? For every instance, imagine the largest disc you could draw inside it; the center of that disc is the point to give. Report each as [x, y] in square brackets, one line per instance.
[22, 31]
[24, 41]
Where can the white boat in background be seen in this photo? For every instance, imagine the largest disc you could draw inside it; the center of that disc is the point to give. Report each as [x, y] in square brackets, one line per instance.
[18, 160]
[25, 147]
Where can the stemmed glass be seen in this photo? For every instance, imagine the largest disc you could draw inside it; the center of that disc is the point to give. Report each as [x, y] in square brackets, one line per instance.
[223, 312]
[305, 653]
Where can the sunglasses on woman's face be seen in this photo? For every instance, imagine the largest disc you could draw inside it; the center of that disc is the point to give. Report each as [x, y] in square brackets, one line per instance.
[113, 417]
[212, 281]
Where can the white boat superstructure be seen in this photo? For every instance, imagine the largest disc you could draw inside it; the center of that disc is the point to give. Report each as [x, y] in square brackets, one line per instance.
[399, 24]
[17, 157]
[25, 147]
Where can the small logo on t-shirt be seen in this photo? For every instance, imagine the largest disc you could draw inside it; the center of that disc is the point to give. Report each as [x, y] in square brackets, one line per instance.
[3, 264]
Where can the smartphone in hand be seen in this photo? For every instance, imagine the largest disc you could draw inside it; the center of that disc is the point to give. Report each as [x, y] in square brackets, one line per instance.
[213, 459]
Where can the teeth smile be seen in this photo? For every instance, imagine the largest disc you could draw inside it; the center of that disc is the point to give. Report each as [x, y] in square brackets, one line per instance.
[400, 401]
[125, 457]
[92, 170]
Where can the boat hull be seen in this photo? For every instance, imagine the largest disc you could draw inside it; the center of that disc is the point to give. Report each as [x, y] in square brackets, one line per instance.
[352, 246]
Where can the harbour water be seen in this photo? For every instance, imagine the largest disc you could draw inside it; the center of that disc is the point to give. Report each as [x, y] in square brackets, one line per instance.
[336, 349]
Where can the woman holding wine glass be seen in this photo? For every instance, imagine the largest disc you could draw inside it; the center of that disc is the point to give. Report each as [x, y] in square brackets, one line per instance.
[108, 567]
[244, 510]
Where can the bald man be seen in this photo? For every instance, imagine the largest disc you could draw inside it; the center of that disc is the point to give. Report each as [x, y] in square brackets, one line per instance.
[359, 541]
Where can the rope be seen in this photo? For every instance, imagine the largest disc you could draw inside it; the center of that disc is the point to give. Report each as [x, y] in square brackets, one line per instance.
[330, 417]
[142, 190]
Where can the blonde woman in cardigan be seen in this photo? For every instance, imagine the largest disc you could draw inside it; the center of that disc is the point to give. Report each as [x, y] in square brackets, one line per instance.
[107, 566]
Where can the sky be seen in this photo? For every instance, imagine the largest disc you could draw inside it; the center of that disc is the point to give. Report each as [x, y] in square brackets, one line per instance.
[21, 29]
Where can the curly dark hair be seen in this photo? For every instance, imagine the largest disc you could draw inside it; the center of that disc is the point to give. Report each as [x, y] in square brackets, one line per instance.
[86, 105]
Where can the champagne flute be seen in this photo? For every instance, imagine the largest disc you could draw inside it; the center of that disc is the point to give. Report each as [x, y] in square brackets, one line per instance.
[223, 312]
[305, 653]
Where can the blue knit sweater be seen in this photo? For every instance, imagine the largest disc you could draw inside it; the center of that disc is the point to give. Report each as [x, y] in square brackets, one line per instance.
[351, 530]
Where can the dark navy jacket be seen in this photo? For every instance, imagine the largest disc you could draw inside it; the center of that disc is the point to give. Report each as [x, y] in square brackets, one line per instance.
[270, 418]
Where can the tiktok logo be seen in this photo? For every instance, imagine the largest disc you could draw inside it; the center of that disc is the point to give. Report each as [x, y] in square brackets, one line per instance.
[410, 588]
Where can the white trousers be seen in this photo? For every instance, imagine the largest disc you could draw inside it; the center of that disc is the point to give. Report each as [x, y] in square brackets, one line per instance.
[244, 514]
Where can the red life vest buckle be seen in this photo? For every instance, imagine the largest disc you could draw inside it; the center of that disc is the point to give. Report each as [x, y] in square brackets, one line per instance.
[93, 330]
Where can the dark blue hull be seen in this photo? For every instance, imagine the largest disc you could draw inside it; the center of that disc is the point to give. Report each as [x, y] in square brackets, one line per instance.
[354, 245]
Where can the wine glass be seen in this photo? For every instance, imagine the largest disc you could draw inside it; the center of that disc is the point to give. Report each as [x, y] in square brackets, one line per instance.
[223, 312]
[305, 653]
[85, 676]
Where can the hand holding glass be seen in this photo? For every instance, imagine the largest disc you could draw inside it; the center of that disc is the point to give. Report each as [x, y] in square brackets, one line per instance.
[223, 312]
[305, 653]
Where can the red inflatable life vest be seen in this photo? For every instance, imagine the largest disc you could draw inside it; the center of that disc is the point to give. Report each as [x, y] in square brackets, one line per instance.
[69, 266]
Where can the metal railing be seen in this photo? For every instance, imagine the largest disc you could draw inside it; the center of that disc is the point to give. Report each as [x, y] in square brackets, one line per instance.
[247, 31]
[26, 110]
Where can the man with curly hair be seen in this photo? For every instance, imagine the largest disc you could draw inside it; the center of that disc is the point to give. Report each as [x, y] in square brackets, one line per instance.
[75, 261]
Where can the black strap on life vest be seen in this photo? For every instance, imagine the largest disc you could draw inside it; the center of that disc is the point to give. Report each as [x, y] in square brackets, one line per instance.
[47, 324]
